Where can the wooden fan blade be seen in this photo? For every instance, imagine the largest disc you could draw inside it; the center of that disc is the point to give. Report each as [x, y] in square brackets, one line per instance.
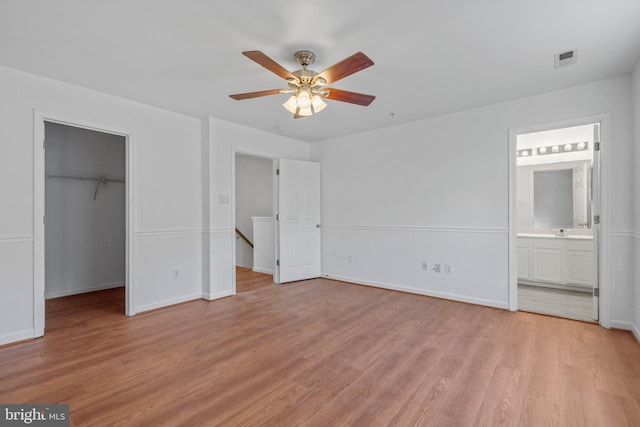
[240, 96]
[346, 67]
[346, 96]
[269, 64]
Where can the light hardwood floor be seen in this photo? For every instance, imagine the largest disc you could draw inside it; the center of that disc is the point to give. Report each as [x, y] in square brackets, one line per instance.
[248, 280]
[323, 353]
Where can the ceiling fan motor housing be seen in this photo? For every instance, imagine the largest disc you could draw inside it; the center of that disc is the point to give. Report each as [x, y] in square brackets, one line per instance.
[305, 76]
[304, 57]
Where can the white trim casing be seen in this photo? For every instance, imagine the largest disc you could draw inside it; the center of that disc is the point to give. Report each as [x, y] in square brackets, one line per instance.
[274, 162]
[16, 238]
[604, 279]
[39, 119]
[168, 231]
[416, 228]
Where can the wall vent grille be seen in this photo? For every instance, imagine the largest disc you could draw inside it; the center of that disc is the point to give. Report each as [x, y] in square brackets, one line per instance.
[565, 58]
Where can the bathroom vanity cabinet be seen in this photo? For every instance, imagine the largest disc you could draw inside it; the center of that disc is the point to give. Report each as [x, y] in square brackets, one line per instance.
[552, 260]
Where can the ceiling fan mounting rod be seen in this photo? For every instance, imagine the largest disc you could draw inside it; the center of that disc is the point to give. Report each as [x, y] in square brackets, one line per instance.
[304, 58]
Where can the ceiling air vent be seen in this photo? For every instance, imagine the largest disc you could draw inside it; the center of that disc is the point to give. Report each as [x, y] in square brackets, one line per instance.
[566, 58]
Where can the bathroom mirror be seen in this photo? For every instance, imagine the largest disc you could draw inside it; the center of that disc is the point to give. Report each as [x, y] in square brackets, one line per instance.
[553, 199]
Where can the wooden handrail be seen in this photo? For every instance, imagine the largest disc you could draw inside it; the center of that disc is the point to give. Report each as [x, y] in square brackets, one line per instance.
[244, 237]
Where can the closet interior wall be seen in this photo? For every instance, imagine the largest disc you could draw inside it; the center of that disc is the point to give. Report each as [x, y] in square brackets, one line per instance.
[84, 210]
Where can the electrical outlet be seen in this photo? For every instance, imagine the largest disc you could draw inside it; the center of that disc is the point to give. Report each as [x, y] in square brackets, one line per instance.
[448, 269]
[425, 266]
[436, 268]
[350, 259]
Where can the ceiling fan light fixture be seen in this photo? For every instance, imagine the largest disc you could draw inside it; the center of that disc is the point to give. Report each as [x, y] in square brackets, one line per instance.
[304, 99]
[291, 105]
[304, 103]
[304, 112]
[318, 103]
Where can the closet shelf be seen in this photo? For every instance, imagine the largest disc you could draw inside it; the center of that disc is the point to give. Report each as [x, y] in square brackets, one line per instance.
[99, 180]
[84, 178]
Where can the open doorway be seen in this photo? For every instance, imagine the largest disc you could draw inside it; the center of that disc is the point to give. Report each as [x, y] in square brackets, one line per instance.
[85, 219]
[556, 220]
[254, 221]
[41, 120]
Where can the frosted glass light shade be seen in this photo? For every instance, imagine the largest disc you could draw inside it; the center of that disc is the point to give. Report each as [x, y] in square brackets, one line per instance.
[304, 99]
[318, 103]
[305, 111]
[291, 105]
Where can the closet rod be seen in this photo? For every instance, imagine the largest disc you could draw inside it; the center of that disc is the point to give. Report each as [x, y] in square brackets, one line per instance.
[83, 178]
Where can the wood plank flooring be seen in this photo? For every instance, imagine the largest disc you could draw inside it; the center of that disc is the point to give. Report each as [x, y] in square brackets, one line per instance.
[248, 280]
[556, 302]
[323, 353]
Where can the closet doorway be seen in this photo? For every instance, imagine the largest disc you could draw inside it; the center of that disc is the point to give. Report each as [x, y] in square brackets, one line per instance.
[85, 218]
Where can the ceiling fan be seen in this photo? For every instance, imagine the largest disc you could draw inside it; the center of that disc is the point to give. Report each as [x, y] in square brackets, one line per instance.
[307, 87]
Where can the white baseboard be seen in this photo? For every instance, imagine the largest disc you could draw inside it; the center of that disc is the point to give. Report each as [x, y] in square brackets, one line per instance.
[82, 290]
[619, 324]
[217, 295]
[262, 270]
[16, 336]
[443, 295]
[168, 302]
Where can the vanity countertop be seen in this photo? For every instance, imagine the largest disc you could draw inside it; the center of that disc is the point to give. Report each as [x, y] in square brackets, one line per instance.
[553, 236]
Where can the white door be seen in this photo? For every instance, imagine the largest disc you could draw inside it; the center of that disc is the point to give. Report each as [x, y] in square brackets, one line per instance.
[595, 215]
[298, 220]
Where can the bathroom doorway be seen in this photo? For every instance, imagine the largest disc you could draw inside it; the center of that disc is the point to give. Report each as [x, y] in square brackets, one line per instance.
[557, 221]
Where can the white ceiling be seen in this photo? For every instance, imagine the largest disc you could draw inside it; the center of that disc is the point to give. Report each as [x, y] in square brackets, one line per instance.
[431, 57]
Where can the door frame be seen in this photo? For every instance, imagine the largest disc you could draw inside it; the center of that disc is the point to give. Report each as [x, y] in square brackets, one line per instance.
[40, 117]
[604, 249]
[274, 206]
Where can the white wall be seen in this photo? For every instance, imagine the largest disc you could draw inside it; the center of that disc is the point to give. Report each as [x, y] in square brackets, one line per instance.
[437, 190]
[636, 198]
[254, 197]
[167, 198]
[221, 140]
[264, 244]
[85, 237]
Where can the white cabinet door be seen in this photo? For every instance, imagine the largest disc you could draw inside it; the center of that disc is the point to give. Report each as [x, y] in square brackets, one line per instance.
[548, 265]
[299, 223]
[579, 268]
